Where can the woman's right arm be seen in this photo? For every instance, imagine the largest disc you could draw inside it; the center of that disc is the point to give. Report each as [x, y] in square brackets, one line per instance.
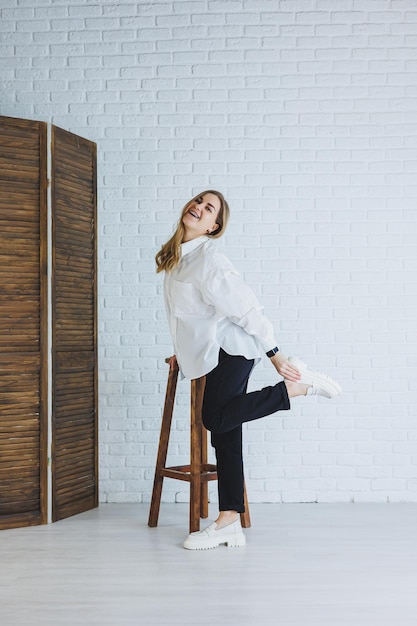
[224, 289]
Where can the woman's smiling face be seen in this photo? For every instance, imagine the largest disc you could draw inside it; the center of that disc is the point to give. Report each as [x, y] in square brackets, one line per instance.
[199, 217]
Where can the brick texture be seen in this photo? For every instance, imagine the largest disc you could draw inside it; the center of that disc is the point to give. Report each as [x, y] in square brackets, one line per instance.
[303, 112]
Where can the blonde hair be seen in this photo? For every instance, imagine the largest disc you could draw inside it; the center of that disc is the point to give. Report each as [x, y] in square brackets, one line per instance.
[170, 254]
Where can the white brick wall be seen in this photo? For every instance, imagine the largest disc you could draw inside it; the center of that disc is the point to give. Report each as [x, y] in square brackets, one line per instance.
[303, 112]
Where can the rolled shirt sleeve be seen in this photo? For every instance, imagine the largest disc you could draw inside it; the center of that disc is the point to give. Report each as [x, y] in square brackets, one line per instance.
[224, 289]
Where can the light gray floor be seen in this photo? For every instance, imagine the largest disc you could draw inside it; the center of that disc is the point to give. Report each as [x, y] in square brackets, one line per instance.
[304, 564]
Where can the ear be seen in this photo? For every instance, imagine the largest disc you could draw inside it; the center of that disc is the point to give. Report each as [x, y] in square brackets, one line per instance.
[212, 232]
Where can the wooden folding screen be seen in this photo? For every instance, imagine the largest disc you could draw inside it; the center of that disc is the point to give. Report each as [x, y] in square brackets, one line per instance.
[23, 371]
[31, 313]
[74, 427]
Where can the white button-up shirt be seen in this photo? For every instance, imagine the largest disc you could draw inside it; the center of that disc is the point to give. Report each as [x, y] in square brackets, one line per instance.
[210, 307]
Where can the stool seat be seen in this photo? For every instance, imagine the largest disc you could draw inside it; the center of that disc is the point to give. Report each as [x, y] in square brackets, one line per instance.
[199, 471]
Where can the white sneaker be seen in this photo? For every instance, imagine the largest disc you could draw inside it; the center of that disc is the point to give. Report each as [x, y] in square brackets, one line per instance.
[231, 535]
[319, 384]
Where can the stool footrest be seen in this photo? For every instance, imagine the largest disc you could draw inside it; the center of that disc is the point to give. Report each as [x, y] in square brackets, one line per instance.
[183, 472]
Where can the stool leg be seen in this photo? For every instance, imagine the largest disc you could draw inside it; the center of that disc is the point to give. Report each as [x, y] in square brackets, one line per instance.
[203, 447]
[163, 447]
[204, 484]
[245, 517]
[197, 390]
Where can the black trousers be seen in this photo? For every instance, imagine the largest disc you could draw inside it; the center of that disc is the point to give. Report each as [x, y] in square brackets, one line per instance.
[226, 406]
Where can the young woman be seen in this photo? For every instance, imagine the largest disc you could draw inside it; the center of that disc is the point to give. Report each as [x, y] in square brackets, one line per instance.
[219, 331]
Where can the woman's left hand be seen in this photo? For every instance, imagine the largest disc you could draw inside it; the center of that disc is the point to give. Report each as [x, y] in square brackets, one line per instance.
[285, 368]
[173, 364]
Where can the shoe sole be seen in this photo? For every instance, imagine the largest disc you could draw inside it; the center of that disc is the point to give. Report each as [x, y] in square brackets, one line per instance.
[233, 542]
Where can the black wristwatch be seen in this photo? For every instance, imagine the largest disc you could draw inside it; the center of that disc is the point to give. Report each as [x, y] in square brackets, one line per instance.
[272, 352]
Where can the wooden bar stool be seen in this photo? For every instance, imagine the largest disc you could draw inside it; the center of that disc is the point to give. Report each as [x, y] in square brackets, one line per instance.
[199, 472]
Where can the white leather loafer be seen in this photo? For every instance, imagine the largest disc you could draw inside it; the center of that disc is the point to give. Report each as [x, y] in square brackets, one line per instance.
[319, 384]
[210, 537]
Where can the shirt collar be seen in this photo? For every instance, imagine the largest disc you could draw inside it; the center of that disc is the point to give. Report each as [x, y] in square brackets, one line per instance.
[189, 246]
